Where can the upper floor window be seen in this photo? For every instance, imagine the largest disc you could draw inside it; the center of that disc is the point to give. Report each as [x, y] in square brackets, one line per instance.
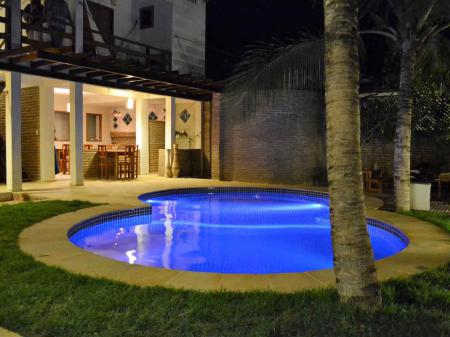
[147, 17]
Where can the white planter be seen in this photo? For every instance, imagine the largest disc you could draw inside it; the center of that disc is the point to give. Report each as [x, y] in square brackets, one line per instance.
[420, 196]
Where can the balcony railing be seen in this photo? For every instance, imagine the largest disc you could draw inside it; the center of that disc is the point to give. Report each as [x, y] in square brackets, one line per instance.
[96, 45]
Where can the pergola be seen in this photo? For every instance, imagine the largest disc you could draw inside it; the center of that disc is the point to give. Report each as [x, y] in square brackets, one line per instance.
[89, 57]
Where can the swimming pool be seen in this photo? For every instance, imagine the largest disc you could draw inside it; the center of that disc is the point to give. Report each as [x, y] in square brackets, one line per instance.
[226, 230]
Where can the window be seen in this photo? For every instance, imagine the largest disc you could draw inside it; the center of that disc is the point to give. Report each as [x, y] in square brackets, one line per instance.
[93, 128]
[147, 17]
[61, 126]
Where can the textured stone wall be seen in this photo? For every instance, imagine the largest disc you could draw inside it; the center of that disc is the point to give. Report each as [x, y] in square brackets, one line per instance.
[215, 140]
[156, 135]
[30, 130]
[283, 142]
[206, 140]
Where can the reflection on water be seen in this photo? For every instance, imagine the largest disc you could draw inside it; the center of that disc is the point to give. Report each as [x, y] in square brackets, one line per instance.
[227, 233]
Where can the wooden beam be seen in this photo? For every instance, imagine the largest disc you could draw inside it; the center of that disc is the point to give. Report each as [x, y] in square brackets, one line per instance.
[40, 63]
[180, 92]
[113, 76]
[124, 71]
[80, 70]
[60, 67]
[24, 58]
[17, 51]
[97, 73]
[139, 82]
[126, 79]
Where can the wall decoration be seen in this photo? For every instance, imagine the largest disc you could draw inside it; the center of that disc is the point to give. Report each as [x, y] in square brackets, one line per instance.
[115, 125]
[115, 119]
[127, 119]
[152, 116]
[185, 115]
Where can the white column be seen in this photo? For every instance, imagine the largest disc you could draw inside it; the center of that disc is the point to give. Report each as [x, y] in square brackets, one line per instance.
[76, 134]
[142, 111]
[47, 132]
[13, 113]
[16, 24]
[79, 21]
[170, 122]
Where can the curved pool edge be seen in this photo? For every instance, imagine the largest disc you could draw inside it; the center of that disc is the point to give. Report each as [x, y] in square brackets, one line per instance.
[47, 242]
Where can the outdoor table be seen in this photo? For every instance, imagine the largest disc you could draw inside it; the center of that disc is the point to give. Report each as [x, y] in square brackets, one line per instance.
[115, 154]
[443, 178]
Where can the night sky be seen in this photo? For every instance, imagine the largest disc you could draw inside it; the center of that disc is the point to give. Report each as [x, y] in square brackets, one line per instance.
[233, 25]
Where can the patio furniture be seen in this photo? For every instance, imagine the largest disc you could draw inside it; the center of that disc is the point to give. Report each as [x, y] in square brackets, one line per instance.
[128, 163]
[443, 178]
[105, 165]
[372, 184]
[65, 159]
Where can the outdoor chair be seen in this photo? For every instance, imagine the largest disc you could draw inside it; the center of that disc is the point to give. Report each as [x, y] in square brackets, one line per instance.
[372, 184]
[128, 163]
[105, 166]
[65, 159]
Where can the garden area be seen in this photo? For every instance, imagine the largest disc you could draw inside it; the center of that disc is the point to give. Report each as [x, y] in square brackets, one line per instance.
[39, 301]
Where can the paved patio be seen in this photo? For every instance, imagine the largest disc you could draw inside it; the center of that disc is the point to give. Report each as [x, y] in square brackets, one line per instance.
[47, 241]
[125, 193]
[6, 333]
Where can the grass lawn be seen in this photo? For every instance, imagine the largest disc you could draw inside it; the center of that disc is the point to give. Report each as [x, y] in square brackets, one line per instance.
[36, 300]
[441, 220]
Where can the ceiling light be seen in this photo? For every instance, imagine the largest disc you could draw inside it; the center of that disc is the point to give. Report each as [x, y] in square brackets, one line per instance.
[63, 91]
[130, 103]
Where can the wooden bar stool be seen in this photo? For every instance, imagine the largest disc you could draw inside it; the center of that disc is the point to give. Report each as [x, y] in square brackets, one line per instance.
[136, 162]
[127, 163]
[104, 165]
[65, 159]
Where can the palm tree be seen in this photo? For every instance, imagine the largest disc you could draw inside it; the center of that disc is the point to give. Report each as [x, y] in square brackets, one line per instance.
[416, 34]
[353, 261]
[269, 68]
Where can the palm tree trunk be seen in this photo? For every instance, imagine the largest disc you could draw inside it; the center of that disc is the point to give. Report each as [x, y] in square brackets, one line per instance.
[402, 144]
[353, 259]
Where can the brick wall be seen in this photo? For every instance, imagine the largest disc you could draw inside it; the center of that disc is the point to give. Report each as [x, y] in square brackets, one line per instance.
[156, 135]
[215, 137]
[282, 143]
[30, 130]
[90, 163]
[206, 140]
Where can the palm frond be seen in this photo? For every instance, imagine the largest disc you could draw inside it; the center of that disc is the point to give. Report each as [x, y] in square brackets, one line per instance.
[268, 68]
[433, 60]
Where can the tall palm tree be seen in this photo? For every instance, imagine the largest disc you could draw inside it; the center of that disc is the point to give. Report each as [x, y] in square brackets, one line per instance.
[353, 260]
[416, 32]
[298, 65]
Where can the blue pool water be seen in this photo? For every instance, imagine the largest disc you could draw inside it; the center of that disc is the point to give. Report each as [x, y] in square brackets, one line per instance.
[226, 231]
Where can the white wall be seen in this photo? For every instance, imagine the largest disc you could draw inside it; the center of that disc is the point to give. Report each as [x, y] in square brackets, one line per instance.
[190, 127]
[180, 27]
[188, 41]
[107, 119]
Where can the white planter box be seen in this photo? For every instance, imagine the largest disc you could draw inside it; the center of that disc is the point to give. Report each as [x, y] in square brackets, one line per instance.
[420, 196]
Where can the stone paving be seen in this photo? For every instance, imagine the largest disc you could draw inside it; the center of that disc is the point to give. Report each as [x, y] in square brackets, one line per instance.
[6, 333]
[47, 241]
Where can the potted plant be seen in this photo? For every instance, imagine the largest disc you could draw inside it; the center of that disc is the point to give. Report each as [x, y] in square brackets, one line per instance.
[421, 179]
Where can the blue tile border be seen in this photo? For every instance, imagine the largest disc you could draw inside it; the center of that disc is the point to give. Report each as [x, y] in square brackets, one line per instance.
[122, 214]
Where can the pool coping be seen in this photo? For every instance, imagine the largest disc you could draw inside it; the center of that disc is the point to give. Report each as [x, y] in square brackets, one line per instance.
[47, 242]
